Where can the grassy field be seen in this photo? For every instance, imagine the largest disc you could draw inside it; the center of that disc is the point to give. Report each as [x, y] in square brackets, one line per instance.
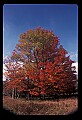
[39, 107]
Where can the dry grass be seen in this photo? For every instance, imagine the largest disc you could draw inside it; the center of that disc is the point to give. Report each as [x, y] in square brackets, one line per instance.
[38, 107]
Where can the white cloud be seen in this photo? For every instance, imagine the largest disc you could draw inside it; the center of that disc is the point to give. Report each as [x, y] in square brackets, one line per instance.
[4, 68]
[73, 55]
[76, 65]
[5, 57]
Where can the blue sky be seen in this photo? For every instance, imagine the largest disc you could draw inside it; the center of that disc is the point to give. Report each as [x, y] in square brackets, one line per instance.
[62, 19]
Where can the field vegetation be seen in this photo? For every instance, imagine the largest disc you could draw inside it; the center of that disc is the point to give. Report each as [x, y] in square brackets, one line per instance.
[40, 107]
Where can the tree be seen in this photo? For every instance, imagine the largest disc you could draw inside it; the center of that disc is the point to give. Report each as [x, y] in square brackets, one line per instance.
[15, 77]
[45, 63]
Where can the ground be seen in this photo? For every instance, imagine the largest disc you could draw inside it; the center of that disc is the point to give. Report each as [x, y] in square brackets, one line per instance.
[40, 107]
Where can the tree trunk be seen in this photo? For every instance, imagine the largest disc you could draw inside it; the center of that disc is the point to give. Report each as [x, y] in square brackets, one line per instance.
[27, 96]
[17, 95]
[43, 97]
[12, 93]
[15, 92]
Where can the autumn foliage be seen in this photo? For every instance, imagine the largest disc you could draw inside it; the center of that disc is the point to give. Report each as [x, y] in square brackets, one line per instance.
[46, 69]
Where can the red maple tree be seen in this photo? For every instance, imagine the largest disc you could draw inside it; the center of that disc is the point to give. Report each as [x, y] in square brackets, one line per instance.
[46, 65]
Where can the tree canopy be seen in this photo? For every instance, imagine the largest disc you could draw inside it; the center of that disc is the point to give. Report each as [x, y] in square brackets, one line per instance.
[46, 68]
